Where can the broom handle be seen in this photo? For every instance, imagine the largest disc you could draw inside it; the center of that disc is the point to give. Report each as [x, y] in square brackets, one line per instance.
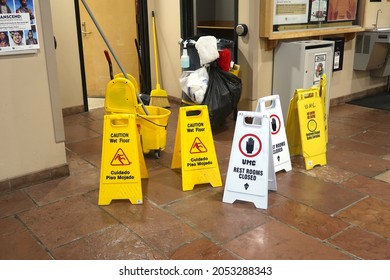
[155, 47]
[111, 50]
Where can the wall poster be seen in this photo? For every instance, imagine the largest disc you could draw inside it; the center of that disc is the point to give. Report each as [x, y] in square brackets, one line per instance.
[290, 11]
[342, 10]
[18, 30]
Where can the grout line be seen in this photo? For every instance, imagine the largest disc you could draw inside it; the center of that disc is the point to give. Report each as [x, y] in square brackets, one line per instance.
[348, 206]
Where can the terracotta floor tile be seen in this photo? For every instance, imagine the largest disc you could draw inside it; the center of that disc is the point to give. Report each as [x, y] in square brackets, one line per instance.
[368, 115]
[65, 187]
[77, 164]
[206, 212]
[153, 224]
[76, 119]
[95, 125]
[94, 114]
[353, 122]
[78, 132]
[358, 146]
[375, 138]
[164, 186]
[95, 159]
[344, 110]
[64, 221]
[14, 202]
[276, 241]
[346, 129]
[382, 127]
[386, 157]
[329, 174]
[322, 196]
[86, 147]
[202, 249]
[369, 186]
[114, 243]
[363, 244]
[370, 214]
[306, 219]
[17, 242]
[361, 163]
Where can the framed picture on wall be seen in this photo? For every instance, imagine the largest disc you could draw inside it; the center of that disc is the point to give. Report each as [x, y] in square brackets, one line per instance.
[290, 11]
[342, 10]
[318, 10]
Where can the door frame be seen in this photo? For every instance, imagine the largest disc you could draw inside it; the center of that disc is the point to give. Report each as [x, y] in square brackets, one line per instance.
[143, 41]
[81, 55]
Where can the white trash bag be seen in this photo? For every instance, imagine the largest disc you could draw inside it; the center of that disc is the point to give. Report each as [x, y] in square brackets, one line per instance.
[194, 84]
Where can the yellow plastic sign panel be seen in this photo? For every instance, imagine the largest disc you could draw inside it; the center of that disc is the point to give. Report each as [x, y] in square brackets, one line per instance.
[293, 132]
[251, 170]
[194, 150]
[271, 106]
[312, 128]
[325, 101]
[123, 164]
[120, 97]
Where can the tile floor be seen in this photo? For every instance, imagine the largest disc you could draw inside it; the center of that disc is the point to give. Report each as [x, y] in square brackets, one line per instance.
[338, 211]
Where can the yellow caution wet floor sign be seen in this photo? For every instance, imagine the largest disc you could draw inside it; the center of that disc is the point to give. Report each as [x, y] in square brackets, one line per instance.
[194, 150]
[293, 132]
[251, 170]
[271, 106]
[312, 128]
[123, 164]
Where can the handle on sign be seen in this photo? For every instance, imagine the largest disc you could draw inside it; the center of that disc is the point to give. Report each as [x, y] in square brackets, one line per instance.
[274, 99]
[119, 122]
[257, 118]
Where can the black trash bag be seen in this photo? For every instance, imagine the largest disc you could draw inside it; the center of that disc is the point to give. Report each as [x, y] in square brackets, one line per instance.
[222, 95]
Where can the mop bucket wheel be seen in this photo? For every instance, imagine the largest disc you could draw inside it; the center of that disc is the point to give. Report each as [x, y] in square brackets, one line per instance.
[153, 129]
[120, 97]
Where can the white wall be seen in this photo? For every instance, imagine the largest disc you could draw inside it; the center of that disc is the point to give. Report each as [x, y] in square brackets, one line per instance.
[27, 142]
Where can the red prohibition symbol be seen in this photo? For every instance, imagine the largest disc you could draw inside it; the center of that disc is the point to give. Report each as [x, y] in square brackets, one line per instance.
[250, 145]
[275, 124]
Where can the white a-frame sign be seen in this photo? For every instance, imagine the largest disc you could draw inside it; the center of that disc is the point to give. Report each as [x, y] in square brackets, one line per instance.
[251, 170]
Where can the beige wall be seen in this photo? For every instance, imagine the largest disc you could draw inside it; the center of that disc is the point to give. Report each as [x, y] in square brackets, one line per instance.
[28, 143]
[167, 17]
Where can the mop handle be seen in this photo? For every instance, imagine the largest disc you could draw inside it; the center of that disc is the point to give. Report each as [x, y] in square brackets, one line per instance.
[155, 47]
[111, 50]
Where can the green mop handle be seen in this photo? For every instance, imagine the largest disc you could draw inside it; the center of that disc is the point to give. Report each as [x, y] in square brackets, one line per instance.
[112, 51]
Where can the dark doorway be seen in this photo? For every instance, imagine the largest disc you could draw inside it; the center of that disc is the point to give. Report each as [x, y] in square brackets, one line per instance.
[210, 17]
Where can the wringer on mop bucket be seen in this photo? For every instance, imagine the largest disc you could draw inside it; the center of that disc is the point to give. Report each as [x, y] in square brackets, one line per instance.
[121, 99]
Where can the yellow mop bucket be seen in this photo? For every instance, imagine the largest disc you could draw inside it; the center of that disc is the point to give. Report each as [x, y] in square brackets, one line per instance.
[121, 99]
[153, 129]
